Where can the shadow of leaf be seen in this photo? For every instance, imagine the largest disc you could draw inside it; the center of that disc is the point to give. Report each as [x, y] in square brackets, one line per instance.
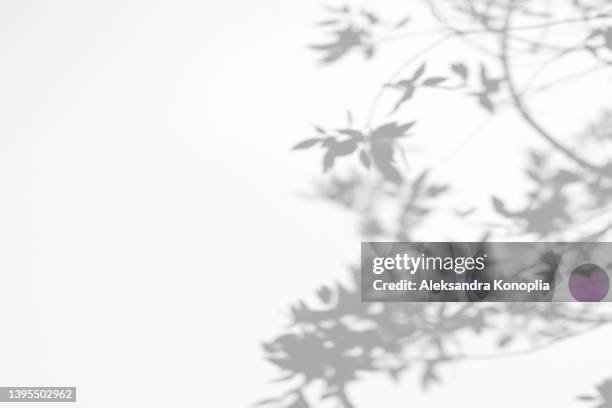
[602, 396]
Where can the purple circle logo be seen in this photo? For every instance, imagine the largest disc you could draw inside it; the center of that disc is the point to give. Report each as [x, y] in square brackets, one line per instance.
[589, 283]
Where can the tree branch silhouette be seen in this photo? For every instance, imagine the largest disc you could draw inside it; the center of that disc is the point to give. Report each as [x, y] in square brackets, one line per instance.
[504, 57]
[333, 339]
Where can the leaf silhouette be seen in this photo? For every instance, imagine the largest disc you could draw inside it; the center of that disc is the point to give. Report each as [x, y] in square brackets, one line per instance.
[343, 148]
[391, 131]
[365, 159]
[434, 81]
[408, 89]
[371, 17]
[499, 206]
[337, 149]
[419, 72]
[319, 129]
[490, 85]
[356, 134]
[505, 340]
[328, 22]
[306, 144]
[461, 70]
[603, 397]
[383, 156]
[401, 23]
[324, 294]
[485, 102]
[328, 161]
[345, 40]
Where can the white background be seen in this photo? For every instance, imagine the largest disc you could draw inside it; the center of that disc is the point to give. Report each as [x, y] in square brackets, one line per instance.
[152, 229]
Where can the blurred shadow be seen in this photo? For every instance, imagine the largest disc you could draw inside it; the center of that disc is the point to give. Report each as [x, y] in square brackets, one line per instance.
[602, 396]
[331, 342]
